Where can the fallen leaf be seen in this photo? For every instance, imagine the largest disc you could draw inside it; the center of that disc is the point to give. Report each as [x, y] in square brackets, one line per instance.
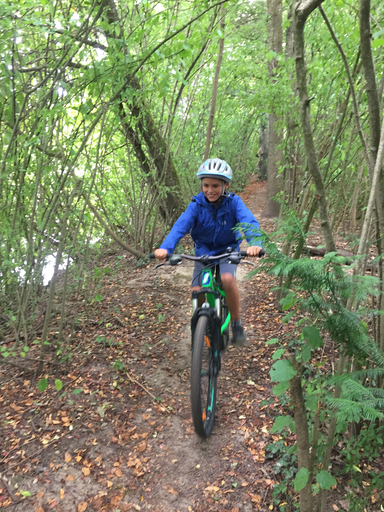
[118, 472]
[82, 506]
[109, 483]
[142, 446]
[115, 501]
[335, 507]
[70, 478]
[39, 509]
[86, 471]
[61, 494]
[212, 488]
[68, 457]
[172, 491]
[146, 416]
[124, 507]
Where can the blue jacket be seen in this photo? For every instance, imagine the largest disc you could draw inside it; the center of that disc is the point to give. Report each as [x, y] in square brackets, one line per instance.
[212, 228]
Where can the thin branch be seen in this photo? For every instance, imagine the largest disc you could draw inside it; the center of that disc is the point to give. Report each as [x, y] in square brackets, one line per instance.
[145, 389]
[351, 86]
[175, 34]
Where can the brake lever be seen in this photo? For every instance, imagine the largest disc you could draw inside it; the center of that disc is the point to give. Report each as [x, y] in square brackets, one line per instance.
[247, 263]
[160, 265]
[169, 263]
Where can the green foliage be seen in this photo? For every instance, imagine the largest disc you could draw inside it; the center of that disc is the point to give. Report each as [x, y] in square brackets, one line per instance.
[367, 446]
[58, 384]
[285, 466]
[282, 370]
[312, 335]
[42, 385]
[160, 318]
[325, 479]
[320, 289]
[301, 479]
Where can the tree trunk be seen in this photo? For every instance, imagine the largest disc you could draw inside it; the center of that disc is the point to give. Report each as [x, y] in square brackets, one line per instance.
[302, 435]
[373, 105]
[263, 151]
[275, 152]
[166, 177]
[301, 13]
[355, 197]
[214, 90]
[370, 80]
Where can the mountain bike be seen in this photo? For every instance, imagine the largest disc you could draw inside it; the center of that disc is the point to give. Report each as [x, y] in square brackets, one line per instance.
[210, 335]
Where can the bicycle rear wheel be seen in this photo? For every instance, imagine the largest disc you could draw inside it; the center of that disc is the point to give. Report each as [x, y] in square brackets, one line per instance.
[203, 380]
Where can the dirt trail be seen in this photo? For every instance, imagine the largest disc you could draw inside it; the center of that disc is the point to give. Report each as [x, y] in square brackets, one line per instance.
[121, 449]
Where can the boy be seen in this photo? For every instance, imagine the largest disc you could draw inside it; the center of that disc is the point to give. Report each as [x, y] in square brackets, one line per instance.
[211, 217]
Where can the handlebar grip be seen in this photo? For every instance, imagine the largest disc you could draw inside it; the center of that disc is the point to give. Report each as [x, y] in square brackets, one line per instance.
[153, 257]
[261, 253]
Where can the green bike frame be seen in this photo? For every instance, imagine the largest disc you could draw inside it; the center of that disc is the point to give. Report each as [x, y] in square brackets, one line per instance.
[209, 285]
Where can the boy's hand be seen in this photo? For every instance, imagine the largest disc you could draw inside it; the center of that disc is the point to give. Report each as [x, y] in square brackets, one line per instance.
[252, 251]
[161, 254]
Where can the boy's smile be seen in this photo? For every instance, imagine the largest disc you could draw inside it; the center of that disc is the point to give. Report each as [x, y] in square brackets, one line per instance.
[212, 188]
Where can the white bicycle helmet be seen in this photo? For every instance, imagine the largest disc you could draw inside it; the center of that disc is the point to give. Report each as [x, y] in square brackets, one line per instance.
[215, 168]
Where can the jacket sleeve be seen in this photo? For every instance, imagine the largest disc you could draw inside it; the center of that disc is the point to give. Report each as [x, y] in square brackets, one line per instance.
[245, 216]
[181, 227]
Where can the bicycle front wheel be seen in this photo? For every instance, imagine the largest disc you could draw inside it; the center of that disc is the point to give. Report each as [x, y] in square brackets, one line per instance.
[203, 380]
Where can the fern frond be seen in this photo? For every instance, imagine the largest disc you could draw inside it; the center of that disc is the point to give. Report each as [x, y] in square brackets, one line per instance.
[356, 391]
[372, 373]
[372, 350]
[353, 411]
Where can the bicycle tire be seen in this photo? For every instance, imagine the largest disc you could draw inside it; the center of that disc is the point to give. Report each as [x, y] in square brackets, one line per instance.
[203, 380]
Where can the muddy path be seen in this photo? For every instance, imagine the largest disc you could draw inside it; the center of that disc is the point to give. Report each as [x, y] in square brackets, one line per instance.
[121, 437]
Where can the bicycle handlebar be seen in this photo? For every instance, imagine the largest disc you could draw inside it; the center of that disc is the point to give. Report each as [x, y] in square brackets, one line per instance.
[242, 254]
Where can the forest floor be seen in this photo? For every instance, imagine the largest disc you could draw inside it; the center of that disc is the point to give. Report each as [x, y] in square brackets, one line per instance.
[119, 435]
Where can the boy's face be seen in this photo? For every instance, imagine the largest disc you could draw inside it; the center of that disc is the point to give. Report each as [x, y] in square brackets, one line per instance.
[212, 188]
